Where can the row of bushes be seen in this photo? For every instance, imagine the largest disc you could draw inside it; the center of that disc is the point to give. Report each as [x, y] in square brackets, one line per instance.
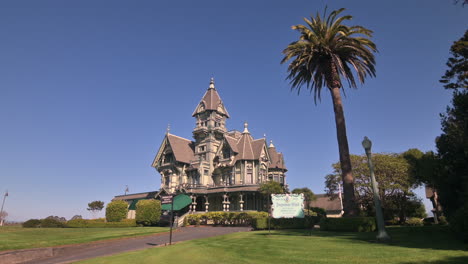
[48, 222]
[53, 223]
[352, 224]
[224, 218]
[84, 223]
[260, 223]
[148, 212]
[258, 220]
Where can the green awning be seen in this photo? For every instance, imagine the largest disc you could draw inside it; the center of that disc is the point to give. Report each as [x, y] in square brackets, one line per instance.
[180, 202]
[134, 202]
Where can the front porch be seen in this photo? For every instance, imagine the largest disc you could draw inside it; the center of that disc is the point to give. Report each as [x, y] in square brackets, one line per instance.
[227, 202]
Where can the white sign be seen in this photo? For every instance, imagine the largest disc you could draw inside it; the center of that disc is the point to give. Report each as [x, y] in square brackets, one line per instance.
[287, 205]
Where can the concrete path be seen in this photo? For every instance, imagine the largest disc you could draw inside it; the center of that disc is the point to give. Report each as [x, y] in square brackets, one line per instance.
[71, 254]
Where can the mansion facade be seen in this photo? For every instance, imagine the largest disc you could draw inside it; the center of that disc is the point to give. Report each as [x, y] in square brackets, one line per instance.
[220, 170]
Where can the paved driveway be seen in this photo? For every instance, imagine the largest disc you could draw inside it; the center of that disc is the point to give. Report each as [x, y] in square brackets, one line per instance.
[92, 250]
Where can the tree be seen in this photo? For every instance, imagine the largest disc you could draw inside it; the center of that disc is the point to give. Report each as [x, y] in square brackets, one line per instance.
[116, 211]
[270, 187]
[395, 184]
[452, 146]
[308, 194]
[457, 74]
[95, 207]
[148, 212]
[326, 53]
[451, 181]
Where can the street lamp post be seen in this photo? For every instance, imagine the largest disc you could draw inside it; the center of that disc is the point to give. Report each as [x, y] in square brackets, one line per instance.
[382, 234]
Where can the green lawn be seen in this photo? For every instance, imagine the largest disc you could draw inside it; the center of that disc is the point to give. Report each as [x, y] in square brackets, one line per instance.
[410, 245]
[19, 238]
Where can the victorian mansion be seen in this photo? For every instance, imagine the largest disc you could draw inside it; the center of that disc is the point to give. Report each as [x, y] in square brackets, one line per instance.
[219, 169]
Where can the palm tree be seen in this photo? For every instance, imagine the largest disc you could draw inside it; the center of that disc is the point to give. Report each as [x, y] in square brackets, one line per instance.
[326, 53]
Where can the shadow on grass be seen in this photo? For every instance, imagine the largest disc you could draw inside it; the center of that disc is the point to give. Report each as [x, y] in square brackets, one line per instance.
[426, 237]
[448, 260]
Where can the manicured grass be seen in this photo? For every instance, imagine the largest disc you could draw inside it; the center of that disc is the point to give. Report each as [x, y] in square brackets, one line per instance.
[19, 238]
[409, 245]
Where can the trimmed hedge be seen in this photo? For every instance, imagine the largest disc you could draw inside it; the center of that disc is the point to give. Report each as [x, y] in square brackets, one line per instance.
[96, 223]
[116, 211]
[148, 212]
[258, 220]
[352, 224]
[414, 221]
[285, 223]
[46, 223]
[224, 218]
[50, 222]
[32, 223]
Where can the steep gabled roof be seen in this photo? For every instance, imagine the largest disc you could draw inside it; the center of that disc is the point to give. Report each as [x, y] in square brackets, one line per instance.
[257, 146]
[244, 145]
[182, 148]
[211, 101]
[232, 143]
[277, 161]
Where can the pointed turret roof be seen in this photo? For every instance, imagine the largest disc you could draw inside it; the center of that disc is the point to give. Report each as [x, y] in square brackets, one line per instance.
[244, 145]
[277, 160]
[211, 101]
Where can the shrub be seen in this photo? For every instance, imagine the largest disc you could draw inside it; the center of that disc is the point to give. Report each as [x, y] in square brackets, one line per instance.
[319, 211]
[443, 220]
[414, 221]
[352, 224]
[148, 212]
[116, 211]
[260, 223]
[83, 223]
[31, 223]
[76, 217]
[50, 222]
[193, 219]
[392, 222]
[224, 218]
[285, 223]
[459, 223]
[57, 218]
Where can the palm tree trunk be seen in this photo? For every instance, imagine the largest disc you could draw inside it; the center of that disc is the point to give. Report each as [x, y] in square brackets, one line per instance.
[349, 202]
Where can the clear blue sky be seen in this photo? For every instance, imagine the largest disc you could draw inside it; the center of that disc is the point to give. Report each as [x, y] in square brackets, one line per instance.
[87, 89]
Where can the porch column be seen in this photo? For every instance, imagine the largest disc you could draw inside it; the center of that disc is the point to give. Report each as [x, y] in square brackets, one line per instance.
[241, 202]
[206, 203]
[228, 203]
[194, 203]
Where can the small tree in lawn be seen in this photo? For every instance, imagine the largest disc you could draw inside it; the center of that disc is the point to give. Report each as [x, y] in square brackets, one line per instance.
[95, 207]
[268, 188]
[116, 211]
[308, 195]
[148, 212]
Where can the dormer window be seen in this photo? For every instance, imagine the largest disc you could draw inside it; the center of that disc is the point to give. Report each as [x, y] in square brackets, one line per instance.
[226, 152]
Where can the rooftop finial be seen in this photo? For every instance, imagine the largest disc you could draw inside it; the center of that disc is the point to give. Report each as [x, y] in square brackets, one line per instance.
[168, 128]
[246, 125]
[271, 144]
[212, 83]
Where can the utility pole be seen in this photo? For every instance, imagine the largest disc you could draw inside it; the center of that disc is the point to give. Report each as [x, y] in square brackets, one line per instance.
[1, 211]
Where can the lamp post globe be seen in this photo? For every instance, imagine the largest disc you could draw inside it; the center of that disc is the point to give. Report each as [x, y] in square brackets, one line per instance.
[367, 144]
[381, 233]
